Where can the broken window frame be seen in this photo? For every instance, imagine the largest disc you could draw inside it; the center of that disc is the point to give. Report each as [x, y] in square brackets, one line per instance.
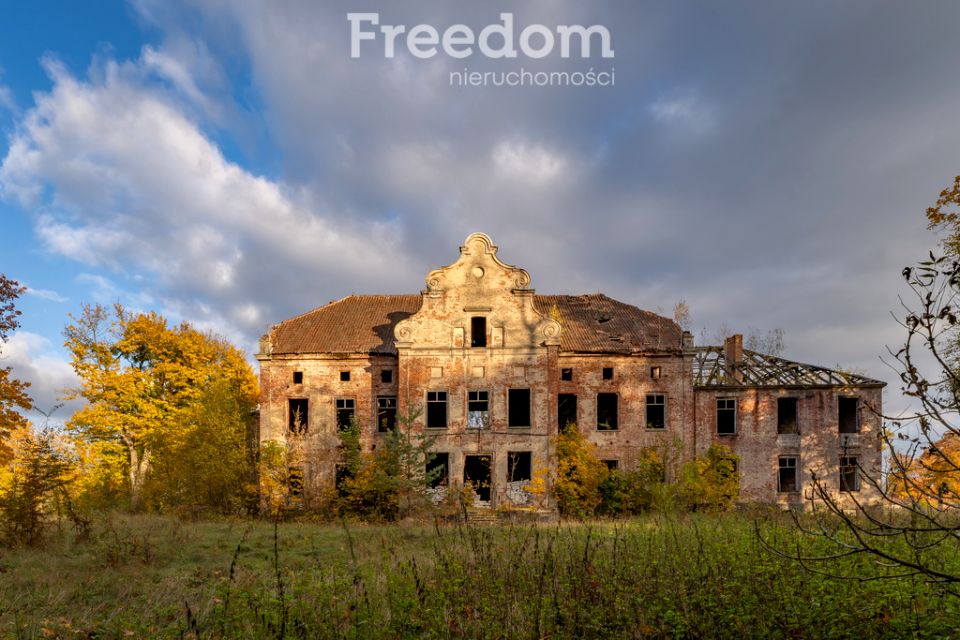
[386, 376]
[386, 413]
[849, 480]
[566, 374]
[478, 409]
[442, 479]
[293, 406]
[478, 332]
[517, 462]
[788, 466]
[561, 427]
[659, 402]
[605, 412]
[519, 408]
[341, 472]
[437, 414]
[727, 406]
[346, 412]
[786, 428]
[612, 465]
[295, 481]
[845, 401]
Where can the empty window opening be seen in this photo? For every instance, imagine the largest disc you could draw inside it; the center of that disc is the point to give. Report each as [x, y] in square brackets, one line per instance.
[478, 410]
[656, 411]
[342, 475]
[436, 409]
[655, 372]
[726, 416]
[476, 473]
[478, 331]
[299, 415]
[344, 376]
[518, 401]
[849, 476]
[849, 420]
[295, 482]
[386, 376]
[566, 374]
[566, 410]
[438, 469]
[386, 413]
[787, 480]
[345, 413]
[608, 373]
[787, 415]
[607, 411]
[298, 377]
[518, 466]
[612, 465]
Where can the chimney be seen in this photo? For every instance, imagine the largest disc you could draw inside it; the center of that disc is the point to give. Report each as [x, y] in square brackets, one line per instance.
[733, 355]
[687, 340]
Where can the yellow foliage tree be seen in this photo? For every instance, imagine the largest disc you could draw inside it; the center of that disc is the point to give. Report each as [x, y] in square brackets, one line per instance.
[579, 474]
[145, 382]
[13, 392]
[711, 482]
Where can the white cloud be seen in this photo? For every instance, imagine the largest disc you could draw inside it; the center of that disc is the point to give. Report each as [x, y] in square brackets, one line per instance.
[525, 162]
[34, 359]
[45, 294]
[139, 189]
[687, 112]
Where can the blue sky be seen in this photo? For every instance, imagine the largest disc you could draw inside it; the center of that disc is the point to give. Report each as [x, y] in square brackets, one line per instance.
[230, 164]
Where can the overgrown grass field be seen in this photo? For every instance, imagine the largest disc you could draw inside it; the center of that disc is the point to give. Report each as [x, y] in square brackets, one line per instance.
[657, 576]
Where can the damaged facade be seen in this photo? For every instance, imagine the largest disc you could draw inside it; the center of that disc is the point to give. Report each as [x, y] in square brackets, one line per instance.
[495, 370]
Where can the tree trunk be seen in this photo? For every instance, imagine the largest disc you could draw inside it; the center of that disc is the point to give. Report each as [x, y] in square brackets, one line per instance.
[139, 467]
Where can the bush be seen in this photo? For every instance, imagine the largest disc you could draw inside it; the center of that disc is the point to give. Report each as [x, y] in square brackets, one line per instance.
[32, 487]
[711, 482]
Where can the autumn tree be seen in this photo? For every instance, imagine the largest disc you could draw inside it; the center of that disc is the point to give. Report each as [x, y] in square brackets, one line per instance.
[920, 524]
[580, 474]
[147, 385]
[13, 392]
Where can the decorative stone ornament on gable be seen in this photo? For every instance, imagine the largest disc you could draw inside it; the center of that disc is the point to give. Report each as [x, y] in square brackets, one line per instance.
[478, 284]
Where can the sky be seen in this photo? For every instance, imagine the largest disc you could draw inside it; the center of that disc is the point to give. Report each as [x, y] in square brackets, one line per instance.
[229, 163]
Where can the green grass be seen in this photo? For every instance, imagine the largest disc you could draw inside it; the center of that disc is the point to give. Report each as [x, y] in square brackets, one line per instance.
[658, 576]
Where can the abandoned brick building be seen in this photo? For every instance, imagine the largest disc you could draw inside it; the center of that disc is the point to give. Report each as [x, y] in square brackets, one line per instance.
[495, 370]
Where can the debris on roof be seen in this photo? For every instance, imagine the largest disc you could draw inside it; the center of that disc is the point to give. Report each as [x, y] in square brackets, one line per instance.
[710, 369]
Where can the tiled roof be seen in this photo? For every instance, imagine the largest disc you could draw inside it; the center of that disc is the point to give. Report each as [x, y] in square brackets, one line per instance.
[594, 323]
[355, 324]
[759, 370]
[591, 323]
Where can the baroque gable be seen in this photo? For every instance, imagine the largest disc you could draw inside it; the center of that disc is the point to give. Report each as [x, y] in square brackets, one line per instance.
[477, 286]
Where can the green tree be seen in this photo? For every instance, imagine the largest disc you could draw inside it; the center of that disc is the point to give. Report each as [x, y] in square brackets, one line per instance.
[210, 463]
[13, 392]
[390, 482]
[146, 384]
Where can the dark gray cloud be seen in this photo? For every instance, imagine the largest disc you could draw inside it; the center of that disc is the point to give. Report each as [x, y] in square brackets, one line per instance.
[769, 163]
